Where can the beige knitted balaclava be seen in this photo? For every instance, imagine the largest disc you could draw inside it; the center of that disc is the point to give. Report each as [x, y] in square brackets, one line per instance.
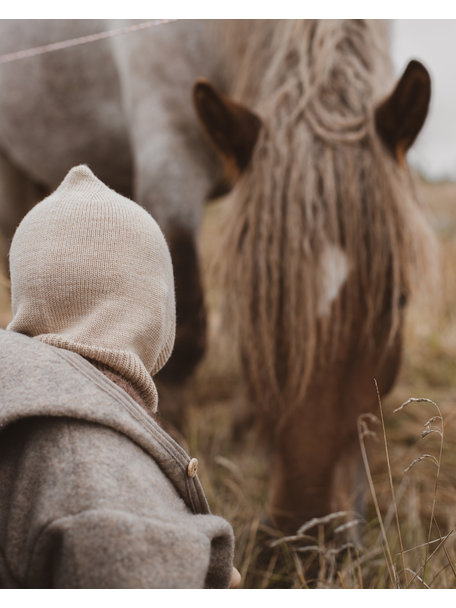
[91, 272]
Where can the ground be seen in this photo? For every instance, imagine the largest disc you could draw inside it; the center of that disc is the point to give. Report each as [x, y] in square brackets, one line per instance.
[233, 464]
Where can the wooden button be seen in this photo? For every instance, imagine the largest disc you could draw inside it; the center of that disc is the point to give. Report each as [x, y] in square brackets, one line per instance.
[192, 468]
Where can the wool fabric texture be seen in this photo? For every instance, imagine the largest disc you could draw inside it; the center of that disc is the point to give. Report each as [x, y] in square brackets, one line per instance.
[93, 492]
[91, 273]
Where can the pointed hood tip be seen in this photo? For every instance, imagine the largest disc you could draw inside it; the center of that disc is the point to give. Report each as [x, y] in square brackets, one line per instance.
[82, 169]
[78, 174]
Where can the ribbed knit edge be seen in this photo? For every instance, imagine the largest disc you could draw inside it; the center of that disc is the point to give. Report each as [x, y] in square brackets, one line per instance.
[129, 365]
[166, 350]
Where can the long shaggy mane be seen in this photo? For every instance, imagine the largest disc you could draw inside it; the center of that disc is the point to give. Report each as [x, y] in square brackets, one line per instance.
[319, 177]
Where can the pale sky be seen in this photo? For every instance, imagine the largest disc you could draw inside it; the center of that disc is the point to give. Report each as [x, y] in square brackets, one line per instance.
[433, 42]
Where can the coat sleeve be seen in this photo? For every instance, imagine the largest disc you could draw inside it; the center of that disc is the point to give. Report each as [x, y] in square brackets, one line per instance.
[113, 549]
[83, 507]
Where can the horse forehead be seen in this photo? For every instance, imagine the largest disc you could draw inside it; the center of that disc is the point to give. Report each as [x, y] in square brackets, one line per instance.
[334, 267]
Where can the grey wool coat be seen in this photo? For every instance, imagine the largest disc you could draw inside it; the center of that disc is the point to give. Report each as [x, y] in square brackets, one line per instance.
[93, 493]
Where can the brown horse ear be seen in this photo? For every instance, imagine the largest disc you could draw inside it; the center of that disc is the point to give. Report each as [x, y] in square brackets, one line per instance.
[400, 117]
[232, 128]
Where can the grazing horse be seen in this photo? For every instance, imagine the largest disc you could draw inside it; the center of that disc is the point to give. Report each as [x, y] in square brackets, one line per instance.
[301, 126]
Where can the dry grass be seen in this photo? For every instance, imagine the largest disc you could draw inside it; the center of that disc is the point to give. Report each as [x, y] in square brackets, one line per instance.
[235, 471]
[411, 550]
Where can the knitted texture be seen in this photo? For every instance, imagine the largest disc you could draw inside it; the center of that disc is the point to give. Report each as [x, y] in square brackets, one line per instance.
[91, 272]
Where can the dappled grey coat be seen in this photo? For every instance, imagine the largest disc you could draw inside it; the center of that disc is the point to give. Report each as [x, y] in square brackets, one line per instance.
[93, 493]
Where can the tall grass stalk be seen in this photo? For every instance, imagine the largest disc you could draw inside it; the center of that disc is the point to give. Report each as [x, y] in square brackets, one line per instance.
[390, 477]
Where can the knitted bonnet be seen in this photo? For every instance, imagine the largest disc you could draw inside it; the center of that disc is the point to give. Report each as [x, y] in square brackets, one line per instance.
[91, 272]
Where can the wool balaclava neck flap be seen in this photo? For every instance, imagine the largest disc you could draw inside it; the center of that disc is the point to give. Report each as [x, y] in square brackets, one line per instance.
[91, 272]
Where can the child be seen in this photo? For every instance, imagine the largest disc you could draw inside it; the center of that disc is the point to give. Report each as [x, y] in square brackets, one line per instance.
[93, 493]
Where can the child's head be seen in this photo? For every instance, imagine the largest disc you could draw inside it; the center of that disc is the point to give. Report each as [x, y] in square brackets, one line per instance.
[91, 272]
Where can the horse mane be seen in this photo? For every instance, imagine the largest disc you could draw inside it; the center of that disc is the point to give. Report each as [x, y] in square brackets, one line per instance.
[319, 178]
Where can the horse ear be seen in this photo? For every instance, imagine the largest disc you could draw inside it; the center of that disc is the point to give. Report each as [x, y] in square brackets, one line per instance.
[400, 117]
[232, 128]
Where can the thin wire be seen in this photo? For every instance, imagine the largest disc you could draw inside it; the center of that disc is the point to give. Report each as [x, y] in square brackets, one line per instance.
[57, 46]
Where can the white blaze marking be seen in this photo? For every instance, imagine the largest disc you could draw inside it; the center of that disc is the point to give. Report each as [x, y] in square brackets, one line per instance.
[333, 269]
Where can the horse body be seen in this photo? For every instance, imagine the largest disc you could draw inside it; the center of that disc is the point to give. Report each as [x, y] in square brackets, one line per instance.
[62, 106]
[323, 225]
[103, 104]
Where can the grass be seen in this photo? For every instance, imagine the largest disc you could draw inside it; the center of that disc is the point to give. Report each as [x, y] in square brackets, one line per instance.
[416, 512]
[408, 539]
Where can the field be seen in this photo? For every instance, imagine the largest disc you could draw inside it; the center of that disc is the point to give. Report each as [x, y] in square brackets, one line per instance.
[395, 550]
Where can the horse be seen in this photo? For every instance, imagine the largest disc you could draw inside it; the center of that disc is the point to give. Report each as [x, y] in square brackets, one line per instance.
[300, 125]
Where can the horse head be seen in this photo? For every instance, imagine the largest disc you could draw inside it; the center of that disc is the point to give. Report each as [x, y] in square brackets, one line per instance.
[323, 232]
